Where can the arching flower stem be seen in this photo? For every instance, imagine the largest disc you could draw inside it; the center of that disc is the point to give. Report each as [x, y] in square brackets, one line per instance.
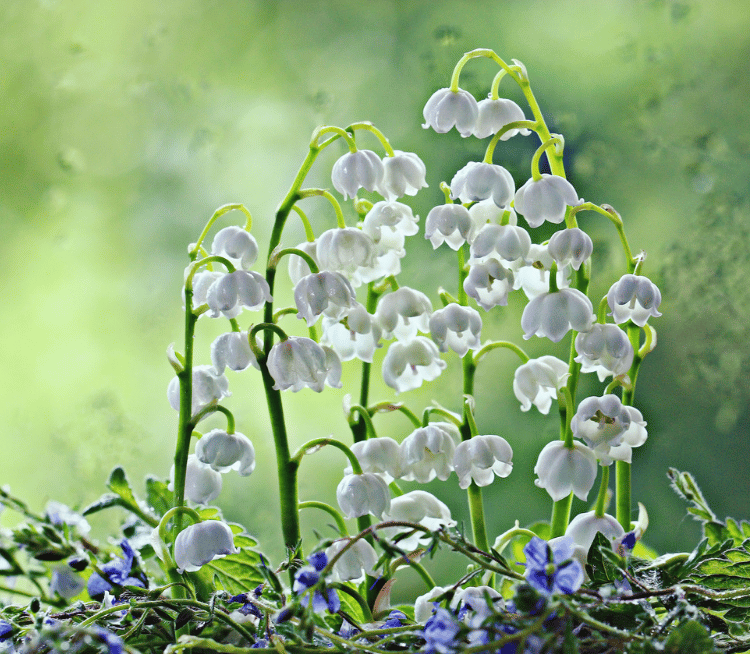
[214, 408]
[366, 125]
[494, 345]
[317, 443]
[204, 262]
[365, 417]
[480, 52]
[616, 220]
[387, 407]
[313, 192]
[216, 215]
[313, 504]
[309, 233]
[448, 415]
[548, 143]
[516, 124]
[276, 257]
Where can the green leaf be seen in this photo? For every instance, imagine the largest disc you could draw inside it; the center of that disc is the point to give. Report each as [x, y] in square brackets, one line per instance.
[158, 496]
[690, 637]
[602, 563]
[236, 573]
[106, 501]
[118, 483]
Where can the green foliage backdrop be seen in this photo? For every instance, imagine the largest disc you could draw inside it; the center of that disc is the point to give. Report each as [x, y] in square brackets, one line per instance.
[124, 125]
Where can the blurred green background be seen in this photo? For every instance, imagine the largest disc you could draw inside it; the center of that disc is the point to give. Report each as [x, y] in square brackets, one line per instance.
[124, 125]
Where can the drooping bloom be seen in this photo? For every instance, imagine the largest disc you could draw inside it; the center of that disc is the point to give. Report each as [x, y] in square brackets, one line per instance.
[208, 387]
[570, 247]
[358, 336]
[550, 567]
[349, 251]
[447, 108]
[493, 115]
[200, 543]
[481, 458]
[561, 470]
[237, 245]
[584, 527]
[298, 267]
[404, 174]
[232, 350]
[419, 507]
[403, 313]
[358, 560]
[508, 244]
[538, 381]
[326, 292]
[299, 361]
[633, 297]
[450, 224]
[389, 216]
[554, 314]
[545, 199]
[232, 292]
[633, 436]
[380, 456]
[532, 275]
[489, 283]
[456, 328]
[478, 181]
[601, 422]
[223, 451]
[116, 572]
[202, 483]
[359, 495]
[428, 452]
[356, 170]
[487, 211]
[605, 350]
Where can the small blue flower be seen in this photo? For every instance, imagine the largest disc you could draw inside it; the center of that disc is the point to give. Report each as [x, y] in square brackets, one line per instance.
[247, 608]
[395, 618]
[117, 572]
[318, 560]
[308, 577]
[114, 643]
[440, 633]
[550, 568]
[6, 629]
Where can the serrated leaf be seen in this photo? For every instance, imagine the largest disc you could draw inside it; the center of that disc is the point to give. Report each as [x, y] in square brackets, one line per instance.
[690, 637]
[237, 573]
[118, 483]
[158, 496]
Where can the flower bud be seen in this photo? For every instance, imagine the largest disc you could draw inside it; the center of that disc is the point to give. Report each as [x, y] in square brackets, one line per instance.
[478, 181]
[237, 245]
[456, 328]
[481, 458]
[198, 544]
[447, 108]
[428, 452]
[356, 170]
[545, 199]
[554, 314]
[605, 350]
[635, 298]
[359, 495]
[493, 115]
[561, 470]
[538, 381]
[408, 363]
[324, 292]
[223, 452]
[404, 174]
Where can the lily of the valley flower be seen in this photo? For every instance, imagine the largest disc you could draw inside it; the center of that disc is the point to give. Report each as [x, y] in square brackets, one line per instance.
[403, 313]
[561, 470]
[359, 495]
[237, 245]
[298, 362]
[538, 381]
[633, 297]
[298, 267]
[478, 181]
[532, 276]
[324, 292]
[404, 174]
[380, 456]
[601, 422]
[456, 328]
[605, 350]
[409, 363]
[356, 170]
[633, 436]
[570, 247]
[554, 314]
[200, 543]
[428, 452]
[232, 350]
[489, 283]
[358, 560]
[584, 527]
[495, 114]
[389, 216]
[202, 483]
[208, 387]
[481, 458]
[447, 108]
[545, 199]
[450, 224]
[223, 451]
[349, 251]
[419, 507]
[358, 336]
[232, 292]
[508, 244]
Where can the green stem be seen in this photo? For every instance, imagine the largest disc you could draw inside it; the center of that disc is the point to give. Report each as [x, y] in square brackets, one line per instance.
[366, 125]
[601, 498]
[479, 52]
[364, 418]
[309, 233]
[535, 174]
[516, 124]
[216, 408]
[359, 429]
[274, 261]
[493, 345]
[340, 524]
[561, 516]
[218, 214]
[312, 192]
[317, 443]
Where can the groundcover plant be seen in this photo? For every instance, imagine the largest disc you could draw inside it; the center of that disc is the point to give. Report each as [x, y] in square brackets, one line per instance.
[184, 579]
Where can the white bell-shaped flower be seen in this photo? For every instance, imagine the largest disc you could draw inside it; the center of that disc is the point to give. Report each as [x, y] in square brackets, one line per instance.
[428, 452]
[447, 108]
[349, 251]
[533, 276]
[422, 508]
[561, 470]
[474, 598]
[380, 456]
[234, 291]
[237, 245]
[489, 283]
[456, 328]
[554, 314]
[223, 451]
[570, 247]
[605, 350]
[486, 211]
[202, 281]
[478, 181]
[404, 174]
[481, 458]
[493, 115]
[232, 350]
[538, 381]
[201, 543]
[208, 387]
[545, 199]
[424, 605]
[356, 170]
[633, 436]
[202, 483]
[359, 495]
[356, 562]
[403, 313]
[299, 361]
[507, 243]
[450, 224]
[324, 292]
[298, 267]
[584, 527]
[601, 422]
[357, 337]
[409, 363]
[635, 298]
[389, 216]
